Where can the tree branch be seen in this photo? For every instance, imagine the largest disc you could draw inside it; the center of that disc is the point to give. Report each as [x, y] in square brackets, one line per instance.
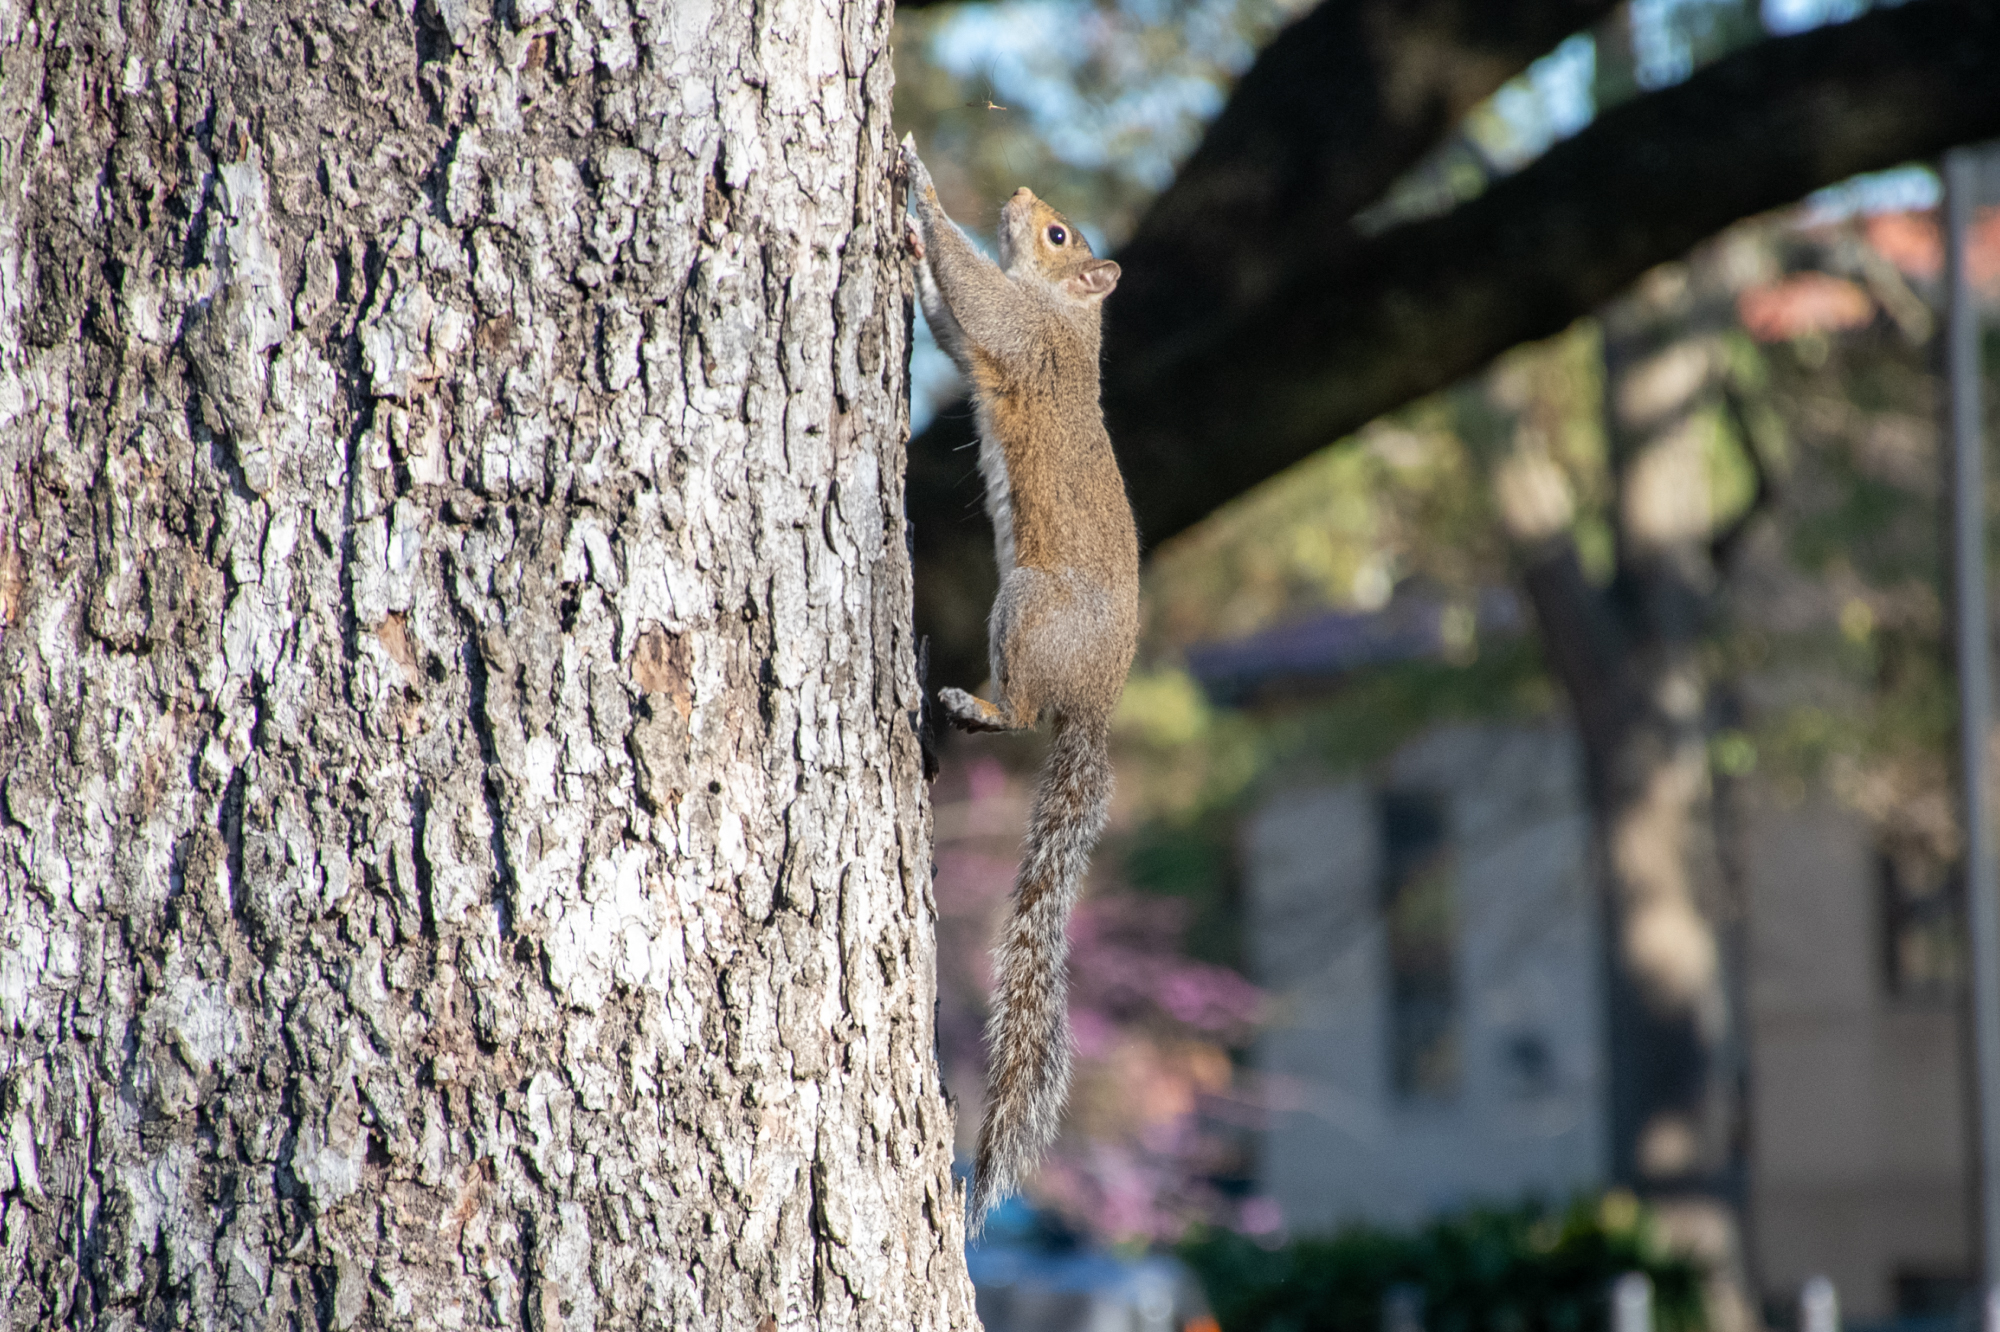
[1212, 387]
[1338, 106]
[1722, 547]
[1580, 637]
[1334, 109]
[1207, 407]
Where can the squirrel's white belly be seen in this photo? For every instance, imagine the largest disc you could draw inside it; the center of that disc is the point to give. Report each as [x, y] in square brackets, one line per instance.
[999, 501]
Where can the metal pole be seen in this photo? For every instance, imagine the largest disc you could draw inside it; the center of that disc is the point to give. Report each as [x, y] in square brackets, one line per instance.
[1819, 1306]
[1632, 1303]
[1974, 701]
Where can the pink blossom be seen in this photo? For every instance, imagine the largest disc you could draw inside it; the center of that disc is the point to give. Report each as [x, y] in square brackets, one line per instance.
[1259, 1216]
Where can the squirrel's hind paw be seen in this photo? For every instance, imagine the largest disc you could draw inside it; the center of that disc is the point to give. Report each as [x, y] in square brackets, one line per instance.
[970, 714]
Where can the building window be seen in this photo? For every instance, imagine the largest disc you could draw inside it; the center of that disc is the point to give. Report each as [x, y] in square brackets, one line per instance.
[1923, 927]
[1934, 1295]
[1527, 1065]
[1420, 911]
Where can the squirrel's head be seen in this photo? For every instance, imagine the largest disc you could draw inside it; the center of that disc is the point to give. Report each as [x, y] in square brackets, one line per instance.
[1035, 238]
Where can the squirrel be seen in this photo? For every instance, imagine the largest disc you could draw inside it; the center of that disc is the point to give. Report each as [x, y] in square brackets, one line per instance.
[1025, 334]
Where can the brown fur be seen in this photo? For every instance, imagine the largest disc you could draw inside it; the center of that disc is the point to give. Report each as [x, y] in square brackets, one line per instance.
[1025, 333]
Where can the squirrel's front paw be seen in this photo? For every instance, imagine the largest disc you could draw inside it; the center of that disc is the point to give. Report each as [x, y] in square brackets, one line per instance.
[914, 238]
[910, 167]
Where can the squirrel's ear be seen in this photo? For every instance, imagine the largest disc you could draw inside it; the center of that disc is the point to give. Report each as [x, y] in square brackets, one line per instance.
[1093, 283]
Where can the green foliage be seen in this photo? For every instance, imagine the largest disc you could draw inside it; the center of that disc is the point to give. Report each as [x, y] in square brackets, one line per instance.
[1382, 707]
[1867, 501]
[1910, 708]
[1527, 1268]
[1402, 499]
[1193, 860]
[1192, 768]
[1178, 859]
[1866, 510]
[1219, 758]
[1866, 705]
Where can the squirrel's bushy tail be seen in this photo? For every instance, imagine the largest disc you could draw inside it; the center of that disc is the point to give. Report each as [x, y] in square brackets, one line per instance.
[1027, 1038]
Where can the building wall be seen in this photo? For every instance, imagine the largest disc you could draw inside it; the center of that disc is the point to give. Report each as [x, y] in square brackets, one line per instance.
[1859, 1154]
[1344, 1144]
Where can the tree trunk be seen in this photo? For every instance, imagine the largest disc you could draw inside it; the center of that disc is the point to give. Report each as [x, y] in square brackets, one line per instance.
[464, 858]
[1630, 659]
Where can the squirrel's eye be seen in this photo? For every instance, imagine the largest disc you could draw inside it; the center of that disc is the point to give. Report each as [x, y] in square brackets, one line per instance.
[1057, 235]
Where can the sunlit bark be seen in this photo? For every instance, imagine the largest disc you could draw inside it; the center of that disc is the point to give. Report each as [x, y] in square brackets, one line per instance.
[1629, 657]
[464, 860]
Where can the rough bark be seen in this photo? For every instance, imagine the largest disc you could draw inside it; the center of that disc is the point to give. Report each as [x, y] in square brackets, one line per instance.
[464, 860]
[1232, 352]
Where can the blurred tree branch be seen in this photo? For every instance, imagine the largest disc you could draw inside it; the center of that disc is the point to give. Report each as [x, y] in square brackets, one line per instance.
[1334, 109]
[1255, 325]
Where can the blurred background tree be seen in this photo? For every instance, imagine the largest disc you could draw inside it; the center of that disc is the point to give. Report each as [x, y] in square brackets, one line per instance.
[1714, 482]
